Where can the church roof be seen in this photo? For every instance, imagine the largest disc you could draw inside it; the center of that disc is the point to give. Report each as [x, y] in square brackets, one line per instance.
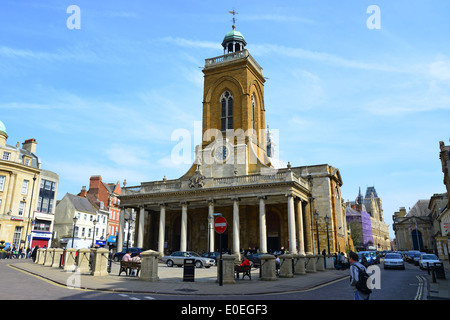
[233, 35]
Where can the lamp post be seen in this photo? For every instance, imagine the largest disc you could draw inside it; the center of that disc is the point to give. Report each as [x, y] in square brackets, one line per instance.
[75, 219]
[316, 217]
[29, 211]
[93, 234]
[327, 221]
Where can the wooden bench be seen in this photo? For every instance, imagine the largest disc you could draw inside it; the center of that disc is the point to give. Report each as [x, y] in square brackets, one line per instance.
[127, 266]
[245, 270]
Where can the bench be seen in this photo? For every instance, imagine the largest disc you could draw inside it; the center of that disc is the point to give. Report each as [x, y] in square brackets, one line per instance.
[127, 266]
[245, 270]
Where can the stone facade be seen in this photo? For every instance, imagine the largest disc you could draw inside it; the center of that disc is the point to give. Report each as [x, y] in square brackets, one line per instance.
[267, 207]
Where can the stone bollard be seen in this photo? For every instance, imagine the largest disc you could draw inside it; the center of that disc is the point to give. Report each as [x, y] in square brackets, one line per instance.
[83, 260]
[329, 262]
[228, 261]
[41, 256]
[319, 263]
[149, 265]
[268, 267]
[57, 257]
[100, 262]
[311, 263]
[286, 266]
[70, 259]
[299, 264]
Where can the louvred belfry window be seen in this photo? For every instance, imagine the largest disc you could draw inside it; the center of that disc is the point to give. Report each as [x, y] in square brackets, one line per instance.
[226, 117]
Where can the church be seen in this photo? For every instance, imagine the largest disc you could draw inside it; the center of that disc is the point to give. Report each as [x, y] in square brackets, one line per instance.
[268, 205]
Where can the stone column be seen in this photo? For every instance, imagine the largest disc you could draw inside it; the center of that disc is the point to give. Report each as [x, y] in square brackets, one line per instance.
[149, 266]
[236, 227]
[83, 260]
[162, 228]
[262, 225]
[286, 266]
[291, 224]
[69, 259]
[211, 225]
[119, 241]
[100, 263]
[140, 235]
[308, 228]
[183, 240]
[300, 237]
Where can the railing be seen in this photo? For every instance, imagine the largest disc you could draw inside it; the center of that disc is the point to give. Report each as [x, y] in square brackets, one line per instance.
[232, 56]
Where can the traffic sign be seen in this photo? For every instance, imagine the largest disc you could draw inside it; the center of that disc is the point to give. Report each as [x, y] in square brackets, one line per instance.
[220, 225]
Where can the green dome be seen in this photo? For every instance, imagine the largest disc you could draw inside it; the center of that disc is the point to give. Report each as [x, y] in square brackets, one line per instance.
[234, 38]
[234, 34]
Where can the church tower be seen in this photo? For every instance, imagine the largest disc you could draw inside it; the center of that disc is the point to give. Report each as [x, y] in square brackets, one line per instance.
[233, 111]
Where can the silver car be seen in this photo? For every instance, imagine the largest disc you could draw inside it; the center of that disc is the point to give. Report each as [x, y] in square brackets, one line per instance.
[178, 257]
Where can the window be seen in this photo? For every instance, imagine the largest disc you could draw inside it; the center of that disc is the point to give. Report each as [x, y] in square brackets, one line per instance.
[6, 155]
[21, 208]
[44, 205]
[27, 161]
[253, 111]
[226, 118]
[17, 236]
[48, 185]
[2, 182]
[25, 186]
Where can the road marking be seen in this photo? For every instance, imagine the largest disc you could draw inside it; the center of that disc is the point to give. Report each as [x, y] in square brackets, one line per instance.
[419, 289]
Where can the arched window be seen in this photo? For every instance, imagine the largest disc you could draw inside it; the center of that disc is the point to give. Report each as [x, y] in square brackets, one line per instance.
[253, 111]
[226, 117]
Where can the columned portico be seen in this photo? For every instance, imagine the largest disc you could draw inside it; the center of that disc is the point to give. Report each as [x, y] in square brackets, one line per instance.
[291, 224]
[162, 227]
[301, 237]
[140, 233]
[211, 225]
[236, 227]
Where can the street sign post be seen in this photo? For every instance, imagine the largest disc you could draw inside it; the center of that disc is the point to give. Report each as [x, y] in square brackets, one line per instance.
[220, 225]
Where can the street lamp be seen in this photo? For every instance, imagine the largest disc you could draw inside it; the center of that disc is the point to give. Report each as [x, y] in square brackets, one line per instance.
[75, 219]
[327, 221]
[93, 234]
[316, 217]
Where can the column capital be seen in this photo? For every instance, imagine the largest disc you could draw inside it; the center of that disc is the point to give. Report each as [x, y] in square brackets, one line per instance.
[289, 194]
[162, 204]
[235, 199]
[262, 197]
[210, 201]
[184, 203]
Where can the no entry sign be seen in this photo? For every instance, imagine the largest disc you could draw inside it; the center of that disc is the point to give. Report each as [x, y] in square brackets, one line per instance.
[220, 225]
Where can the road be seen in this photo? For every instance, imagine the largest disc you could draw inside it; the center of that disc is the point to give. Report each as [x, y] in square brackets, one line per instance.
[394, 285]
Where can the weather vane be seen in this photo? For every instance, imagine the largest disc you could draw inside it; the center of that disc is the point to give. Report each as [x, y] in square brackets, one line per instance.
[234, 13]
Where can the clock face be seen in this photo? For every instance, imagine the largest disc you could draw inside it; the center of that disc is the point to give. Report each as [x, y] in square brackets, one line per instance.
[221, 153]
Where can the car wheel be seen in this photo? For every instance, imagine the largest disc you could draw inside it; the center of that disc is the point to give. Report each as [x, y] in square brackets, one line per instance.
[116, 259]
[198, 264]
[169, 263]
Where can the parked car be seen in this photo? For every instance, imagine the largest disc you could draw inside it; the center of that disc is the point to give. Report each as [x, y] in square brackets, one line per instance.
[410, 255]
[416, 258]
[255, 259]
[134, 252]
[394, 261]
[177, 258]
[429, 258]
[212, 255]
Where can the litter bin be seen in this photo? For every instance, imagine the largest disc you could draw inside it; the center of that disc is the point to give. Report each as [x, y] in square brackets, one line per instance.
[439, 269]
[188, 270]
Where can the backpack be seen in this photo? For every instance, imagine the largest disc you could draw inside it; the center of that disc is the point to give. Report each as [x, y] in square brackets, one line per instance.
[361, 285]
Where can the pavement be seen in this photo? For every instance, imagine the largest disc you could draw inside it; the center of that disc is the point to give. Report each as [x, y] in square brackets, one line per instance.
[171, 281]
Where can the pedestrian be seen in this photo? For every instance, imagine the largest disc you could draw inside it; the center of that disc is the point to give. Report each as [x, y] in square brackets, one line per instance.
[355, 269]
[277, 264]
[126, 257]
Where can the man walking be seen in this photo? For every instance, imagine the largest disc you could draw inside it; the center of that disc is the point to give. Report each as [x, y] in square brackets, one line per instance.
[355, 269]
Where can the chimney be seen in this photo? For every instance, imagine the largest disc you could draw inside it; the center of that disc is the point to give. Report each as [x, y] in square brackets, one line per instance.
[95, 182]
[83, 192]
[30, 145]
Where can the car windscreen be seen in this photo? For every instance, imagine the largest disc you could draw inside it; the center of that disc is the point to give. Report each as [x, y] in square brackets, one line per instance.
[393, 256]
[429, 257]
[194, 254]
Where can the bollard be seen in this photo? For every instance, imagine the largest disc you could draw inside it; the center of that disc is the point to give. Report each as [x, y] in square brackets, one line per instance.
[268, 268]
[48, 261]
[286, 266]
[330, 262]
[100, 262]
[41, 256]
[83, 260]
[70, 259]
[320, 263]
[228, 261]
[57, 254]
[311, 263]
[149, 265]
[299, 264]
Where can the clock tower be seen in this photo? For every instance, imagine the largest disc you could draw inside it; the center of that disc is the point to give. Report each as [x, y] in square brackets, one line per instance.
[234, 141]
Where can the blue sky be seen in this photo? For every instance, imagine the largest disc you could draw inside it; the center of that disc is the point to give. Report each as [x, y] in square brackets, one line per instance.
[105, 99]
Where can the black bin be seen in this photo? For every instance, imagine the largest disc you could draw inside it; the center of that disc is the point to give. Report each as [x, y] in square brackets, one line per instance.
[188, 270]
[439, 270]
